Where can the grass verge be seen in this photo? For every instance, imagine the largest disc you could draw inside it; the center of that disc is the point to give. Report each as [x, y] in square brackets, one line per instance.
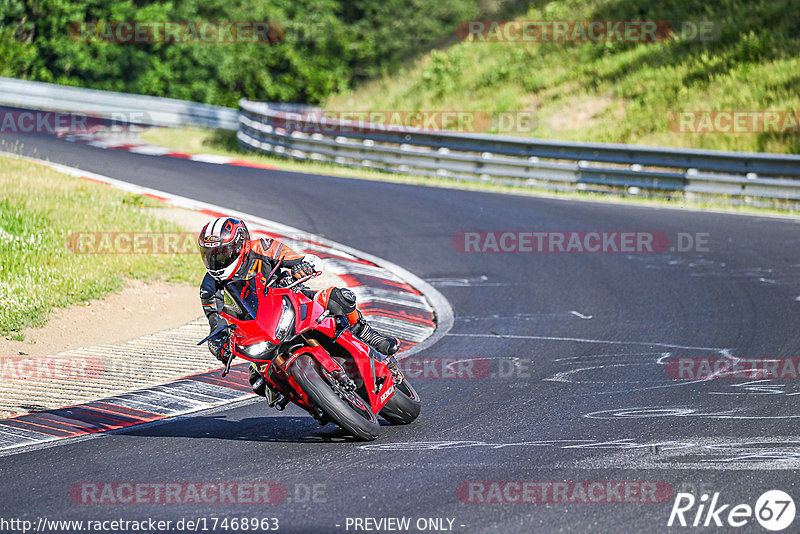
[223, 143]
[39, 209]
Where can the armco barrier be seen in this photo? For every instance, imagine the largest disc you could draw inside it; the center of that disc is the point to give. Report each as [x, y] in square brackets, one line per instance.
[151, 110]
[517, 160]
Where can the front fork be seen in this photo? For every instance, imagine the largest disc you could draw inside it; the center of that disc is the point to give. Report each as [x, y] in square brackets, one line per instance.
[281, 398]
[275, 399]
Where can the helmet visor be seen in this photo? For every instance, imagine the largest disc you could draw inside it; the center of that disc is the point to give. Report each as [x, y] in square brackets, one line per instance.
[219, 257]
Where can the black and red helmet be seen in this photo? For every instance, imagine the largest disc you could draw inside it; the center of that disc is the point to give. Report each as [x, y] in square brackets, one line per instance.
[224, 245]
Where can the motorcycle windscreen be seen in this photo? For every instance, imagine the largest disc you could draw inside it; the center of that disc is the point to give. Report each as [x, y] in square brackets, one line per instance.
[241, 299]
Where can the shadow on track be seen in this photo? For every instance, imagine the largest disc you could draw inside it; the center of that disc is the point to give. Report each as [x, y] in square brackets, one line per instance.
[256, 429]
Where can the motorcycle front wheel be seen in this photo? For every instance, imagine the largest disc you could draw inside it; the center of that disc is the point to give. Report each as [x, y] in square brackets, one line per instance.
[344, 408]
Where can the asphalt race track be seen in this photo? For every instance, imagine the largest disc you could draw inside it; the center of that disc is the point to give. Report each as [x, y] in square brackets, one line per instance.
[573, 346]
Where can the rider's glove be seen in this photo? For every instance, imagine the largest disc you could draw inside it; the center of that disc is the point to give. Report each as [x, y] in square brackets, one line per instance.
[218, 346]
[302, 269]
[285, 280]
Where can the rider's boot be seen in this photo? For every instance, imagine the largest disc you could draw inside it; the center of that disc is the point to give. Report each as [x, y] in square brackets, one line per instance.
[384, 344]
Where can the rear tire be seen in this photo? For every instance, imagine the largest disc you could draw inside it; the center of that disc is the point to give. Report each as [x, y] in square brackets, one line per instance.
[361, 423]
[403, 408]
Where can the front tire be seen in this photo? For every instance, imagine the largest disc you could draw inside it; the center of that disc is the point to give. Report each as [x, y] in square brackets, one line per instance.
[403, 408]
[358, 421]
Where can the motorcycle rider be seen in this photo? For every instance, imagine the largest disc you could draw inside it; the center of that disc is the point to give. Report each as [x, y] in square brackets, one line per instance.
[229, 254]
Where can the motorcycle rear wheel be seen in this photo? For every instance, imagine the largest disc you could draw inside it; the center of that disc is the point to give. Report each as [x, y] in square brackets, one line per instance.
[403, 408]
[358, 421]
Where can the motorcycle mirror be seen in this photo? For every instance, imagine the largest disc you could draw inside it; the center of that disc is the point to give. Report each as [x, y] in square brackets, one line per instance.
[214, 333]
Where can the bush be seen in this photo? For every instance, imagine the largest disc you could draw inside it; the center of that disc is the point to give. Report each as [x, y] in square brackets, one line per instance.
[328, 46]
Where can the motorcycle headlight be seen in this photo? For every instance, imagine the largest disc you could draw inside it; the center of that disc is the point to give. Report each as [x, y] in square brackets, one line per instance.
[257, 349]
[286, 324]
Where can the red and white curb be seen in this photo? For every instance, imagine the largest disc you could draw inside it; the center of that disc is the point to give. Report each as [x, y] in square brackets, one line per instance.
[393, 299]
[147, 149]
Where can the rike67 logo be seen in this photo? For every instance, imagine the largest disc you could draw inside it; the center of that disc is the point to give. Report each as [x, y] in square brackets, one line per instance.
[774, 511]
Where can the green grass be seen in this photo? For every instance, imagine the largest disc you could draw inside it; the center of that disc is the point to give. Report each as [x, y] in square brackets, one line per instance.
[39, 210]
[223, 143]
[616, 92]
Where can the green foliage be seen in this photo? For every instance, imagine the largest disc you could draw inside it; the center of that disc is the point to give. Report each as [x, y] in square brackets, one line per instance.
[442, 74]
[370, 54]
[327, 45]
[617, 91]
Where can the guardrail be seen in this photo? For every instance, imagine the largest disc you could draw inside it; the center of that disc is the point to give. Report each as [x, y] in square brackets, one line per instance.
[150, 110]
[530, 162]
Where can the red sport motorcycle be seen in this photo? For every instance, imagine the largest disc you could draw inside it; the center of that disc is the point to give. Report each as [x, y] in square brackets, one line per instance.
[309, 356]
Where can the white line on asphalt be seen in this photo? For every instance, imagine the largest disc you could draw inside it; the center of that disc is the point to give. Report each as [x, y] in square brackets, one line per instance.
[583, 340]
